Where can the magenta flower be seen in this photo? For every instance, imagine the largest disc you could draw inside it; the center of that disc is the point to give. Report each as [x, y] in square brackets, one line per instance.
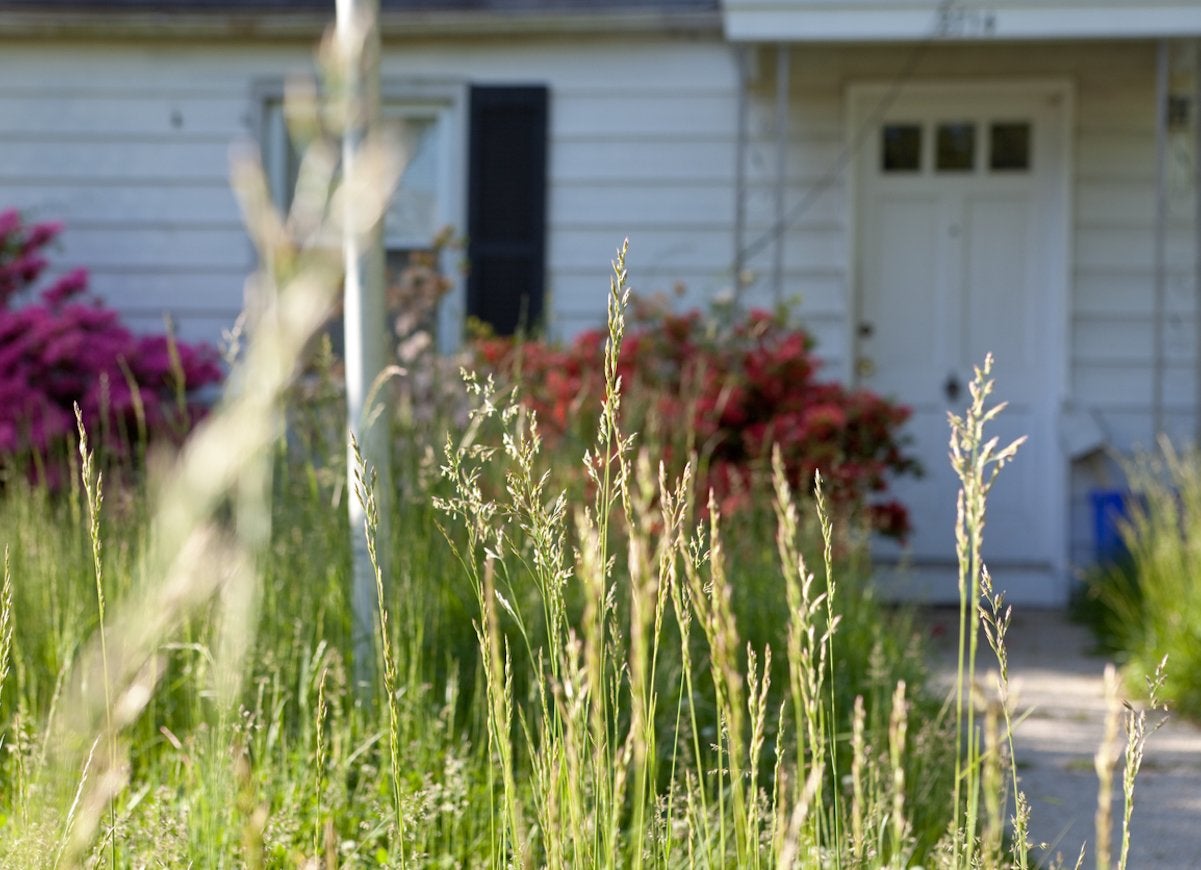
[65, 348]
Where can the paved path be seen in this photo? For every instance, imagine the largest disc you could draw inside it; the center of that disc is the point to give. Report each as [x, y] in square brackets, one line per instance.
[1062, 684]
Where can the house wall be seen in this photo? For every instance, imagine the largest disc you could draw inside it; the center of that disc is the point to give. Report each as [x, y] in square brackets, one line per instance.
[1112, 284]
[128, 144]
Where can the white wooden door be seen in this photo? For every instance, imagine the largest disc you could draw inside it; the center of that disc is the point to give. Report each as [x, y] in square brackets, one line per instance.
[960, 254]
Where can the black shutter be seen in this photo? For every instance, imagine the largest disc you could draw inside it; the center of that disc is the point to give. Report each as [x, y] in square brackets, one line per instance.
[506, 206]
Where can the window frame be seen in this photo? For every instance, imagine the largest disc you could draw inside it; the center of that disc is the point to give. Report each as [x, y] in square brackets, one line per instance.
[444, 101]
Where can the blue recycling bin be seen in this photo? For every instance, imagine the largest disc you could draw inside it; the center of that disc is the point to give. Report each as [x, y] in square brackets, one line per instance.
[1111, 510]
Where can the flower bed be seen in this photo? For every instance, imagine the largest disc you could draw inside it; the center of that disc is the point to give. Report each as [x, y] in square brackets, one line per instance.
[66, 348]
[729, 396]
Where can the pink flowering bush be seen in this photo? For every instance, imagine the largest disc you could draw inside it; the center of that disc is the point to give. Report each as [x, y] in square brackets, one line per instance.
[729, 397]
[64, 347]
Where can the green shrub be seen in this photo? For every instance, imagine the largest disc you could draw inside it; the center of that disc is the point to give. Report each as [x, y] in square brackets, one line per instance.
[1148, 606]
[727, 394]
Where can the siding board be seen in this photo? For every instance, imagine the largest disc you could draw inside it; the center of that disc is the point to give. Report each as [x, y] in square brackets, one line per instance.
[1123, 339]
[1110, 385]
[52, 160]
[210, 290]
[597, 116]
[189, 325]
[707, 250]
[155, 247]
[91, 204]
[73, 115]
[1129, 247]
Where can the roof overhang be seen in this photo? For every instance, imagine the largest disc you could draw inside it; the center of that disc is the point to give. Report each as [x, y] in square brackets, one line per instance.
[915, 20]
[90, 23]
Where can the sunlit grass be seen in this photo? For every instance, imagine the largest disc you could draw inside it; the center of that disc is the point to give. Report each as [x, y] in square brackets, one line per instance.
[623, 677]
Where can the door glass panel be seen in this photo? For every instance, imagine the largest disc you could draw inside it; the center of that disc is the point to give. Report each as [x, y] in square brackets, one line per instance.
[1009, 146]
[955, 147]
[901, 148]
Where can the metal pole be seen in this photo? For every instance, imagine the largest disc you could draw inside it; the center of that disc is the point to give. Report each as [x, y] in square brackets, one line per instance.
[364, 318]
[782, 90]
[1197, 236]
[740, 178]
[1161, 225]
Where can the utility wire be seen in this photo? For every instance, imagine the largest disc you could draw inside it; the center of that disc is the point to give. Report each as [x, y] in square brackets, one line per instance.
[851, 150]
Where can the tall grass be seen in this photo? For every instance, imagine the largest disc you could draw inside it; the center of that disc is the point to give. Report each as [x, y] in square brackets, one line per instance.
[626, 678]
[594, 725]
[1150, 605]
[565, 684]
[977, 460]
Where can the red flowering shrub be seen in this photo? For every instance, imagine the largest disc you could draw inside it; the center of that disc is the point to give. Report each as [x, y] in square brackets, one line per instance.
[731, 398]
[66, 348]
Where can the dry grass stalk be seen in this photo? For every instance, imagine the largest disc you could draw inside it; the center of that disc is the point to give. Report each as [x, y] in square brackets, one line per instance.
[1104, 762]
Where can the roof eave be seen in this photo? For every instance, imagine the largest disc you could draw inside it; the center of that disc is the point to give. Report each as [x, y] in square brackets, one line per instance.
[863, 21]
[85, 24]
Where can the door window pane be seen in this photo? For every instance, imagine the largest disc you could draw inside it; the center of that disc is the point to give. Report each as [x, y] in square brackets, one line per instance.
[1009, 146]
[901, 148]
[955, 147]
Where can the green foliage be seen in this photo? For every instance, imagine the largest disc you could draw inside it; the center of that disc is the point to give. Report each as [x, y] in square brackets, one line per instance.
[565, 681]
[454, 759]
[726, 393]
[1149, 605]
[618, 676]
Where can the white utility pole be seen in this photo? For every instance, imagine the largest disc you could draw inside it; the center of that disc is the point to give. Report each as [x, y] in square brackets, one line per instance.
[364, 315]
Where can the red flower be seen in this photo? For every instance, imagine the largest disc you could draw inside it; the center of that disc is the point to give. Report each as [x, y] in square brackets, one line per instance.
[752, 387]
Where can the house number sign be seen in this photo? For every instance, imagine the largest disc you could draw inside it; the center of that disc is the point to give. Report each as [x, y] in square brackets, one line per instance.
[965, 20]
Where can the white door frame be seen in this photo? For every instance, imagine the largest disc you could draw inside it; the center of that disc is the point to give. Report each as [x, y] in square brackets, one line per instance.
[864, 104]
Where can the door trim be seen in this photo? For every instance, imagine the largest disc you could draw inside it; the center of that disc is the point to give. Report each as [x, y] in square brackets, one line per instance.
[863, 103]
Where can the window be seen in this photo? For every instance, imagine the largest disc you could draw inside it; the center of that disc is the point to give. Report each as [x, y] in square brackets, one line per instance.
[1009, 146]
[901, 148]
[476, 164]
[955, 147]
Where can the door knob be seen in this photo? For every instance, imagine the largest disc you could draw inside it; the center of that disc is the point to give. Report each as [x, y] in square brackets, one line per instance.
[865, 367]
[950, 387]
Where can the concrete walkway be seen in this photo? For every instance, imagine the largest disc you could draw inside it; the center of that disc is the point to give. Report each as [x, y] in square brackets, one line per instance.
[1061, 683]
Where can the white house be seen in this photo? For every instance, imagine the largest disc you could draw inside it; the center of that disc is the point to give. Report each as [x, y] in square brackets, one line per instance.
[932, 180]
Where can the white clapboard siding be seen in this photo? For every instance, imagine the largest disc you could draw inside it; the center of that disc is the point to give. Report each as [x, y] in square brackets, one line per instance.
[704, 249]
[588, 204]
[129, 146]
[589, 116]
[1113, 247]
[188, 325]
[104, 203]
[76, 114]
[584, 205]
[1129, 246]
[630, 161]
[1114, 283]
[142, 247]
[81, 158]
[144, 291]
[1115, 198]
[1108, 340]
